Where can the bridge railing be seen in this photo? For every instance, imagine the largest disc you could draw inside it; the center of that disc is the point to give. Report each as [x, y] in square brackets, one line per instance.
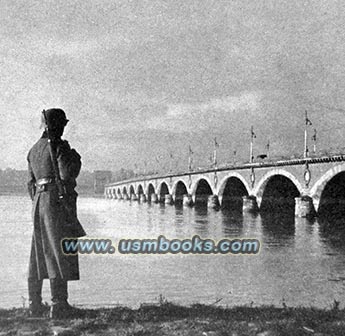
[261, 164]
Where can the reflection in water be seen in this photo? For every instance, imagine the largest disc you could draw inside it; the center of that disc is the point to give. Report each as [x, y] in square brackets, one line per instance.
[278, 226]
[301, 261]
[200, 220]
[332, 232]
[332, 213]
[178, 210]
[334, 221]
[179, 220]
[332, 236]
[232, 223]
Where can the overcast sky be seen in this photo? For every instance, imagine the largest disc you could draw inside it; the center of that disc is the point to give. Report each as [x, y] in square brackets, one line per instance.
[142, 79]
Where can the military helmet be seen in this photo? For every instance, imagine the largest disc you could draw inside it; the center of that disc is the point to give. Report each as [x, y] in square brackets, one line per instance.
[53, 118]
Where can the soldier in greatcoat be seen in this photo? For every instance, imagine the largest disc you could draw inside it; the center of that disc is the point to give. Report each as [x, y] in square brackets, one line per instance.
[52, 219]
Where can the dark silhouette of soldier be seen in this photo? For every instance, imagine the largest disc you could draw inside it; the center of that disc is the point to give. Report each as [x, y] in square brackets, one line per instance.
[54, 217]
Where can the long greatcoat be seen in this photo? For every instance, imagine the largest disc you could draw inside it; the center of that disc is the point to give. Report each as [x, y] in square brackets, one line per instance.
[47, 259]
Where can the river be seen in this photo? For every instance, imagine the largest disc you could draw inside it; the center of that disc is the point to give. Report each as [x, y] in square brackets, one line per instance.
[299, 264]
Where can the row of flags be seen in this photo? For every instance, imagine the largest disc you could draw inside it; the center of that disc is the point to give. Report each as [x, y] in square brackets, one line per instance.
[213, 156]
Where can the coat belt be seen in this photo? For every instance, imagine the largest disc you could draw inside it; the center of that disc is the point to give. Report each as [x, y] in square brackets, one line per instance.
[45, 180]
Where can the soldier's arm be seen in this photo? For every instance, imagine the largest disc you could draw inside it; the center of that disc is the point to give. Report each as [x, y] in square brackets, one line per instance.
[31, 181]
[69, 161]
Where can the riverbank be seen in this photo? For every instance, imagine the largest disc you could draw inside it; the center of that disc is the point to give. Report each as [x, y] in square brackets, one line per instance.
[170, 319]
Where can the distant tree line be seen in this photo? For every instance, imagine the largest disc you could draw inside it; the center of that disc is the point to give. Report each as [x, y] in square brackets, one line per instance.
[15, 181]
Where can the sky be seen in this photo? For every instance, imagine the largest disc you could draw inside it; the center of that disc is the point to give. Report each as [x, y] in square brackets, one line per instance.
[141, 81]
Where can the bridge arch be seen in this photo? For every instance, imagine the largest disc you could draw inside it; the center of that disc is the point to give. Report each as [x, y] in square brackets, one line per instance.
[260, 187]
[223, 182]
[179, 189]
[131, 190]
[163, 186]
[279, 188]
[124, 192]
[231, 190]
[150, 189]
[333, 176]
[201, 190]
[111, 193]
[140, 190]
[162, 190]
[196, 182]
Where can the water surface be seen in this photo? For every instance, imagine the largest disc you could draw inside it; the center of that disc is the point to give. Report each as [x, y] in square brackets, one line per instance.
[300, 263]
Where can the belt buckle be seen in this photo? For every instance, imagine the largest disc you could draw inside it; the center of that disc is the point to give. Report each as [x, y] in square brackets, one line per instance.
[42, 187]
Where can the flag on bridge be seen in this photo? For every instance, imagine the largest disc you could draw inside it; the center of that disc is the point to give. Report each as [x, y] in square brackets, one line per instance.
[253, 135]
[190, 150]
[216, 145]
[190, 160]
[307, 120]
[314, 135]
[314, 140]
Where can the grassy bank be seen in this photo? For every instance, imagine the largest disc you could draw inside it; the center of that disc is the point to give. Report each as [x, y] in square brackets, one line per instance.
[169, 319]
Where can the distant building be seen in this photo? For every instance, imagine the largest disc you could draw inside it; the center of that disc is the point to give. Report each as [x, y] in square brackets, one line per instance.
[101, 178]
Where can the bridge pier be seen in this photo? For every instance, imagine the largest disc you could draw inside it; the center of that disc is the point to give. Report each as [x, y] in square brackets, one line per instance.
[304, 207]
[213, 202]
[187, 200]
[142, 198]
[154, 198]
[134, 197]
[168, 199]
[250, 204]
[119, 197]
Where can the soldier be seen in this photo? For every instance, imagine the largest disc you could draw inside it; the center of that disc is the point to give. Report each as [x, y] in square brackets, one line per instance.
[53, 165]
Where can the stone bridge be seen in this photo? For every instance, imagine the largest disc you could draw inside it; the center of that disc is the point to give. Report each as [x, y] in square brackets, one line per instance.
[310, 185]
